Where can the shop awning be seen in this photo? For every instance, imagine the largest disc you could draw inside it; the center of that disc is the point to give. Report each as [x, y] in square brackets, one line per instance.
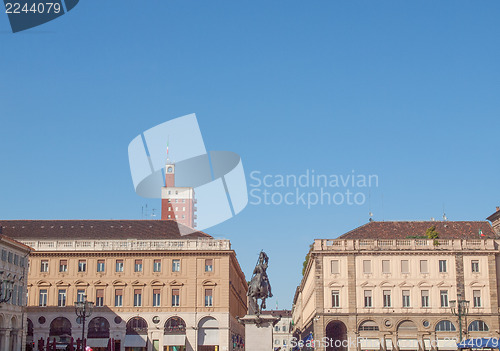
[174, 340]
[479, 343]
[135, 340]
[97, 342]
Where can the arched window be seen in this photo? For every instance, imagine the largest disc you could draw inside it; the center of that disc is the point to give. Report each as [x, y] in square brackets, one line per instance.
[175, 325]
[407, 326]
[60, 326]
[445, 326]
[98, 328]
[368, 326]
[478, 326]
[137, 326]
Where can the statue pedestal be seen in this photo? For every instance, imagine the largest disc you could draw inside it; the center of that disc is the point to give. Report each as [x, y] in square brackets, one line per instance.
[259, 331]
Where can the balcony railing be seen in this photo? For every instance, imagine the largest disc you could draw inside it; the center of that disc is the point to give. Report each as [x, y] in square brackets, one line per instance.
[405, 244]
[128, 245]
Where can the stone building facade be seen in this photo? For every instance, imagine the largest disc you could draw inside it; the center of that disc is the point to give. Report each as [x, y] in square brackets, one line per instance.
[153, 287]
[13, 268]
[386, 286]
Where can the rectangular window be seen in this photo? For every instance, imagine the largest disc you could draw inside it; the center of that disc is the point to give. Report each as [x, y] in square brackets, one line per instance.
[425, 298]
[157, 265]
[16, 259]
[44, 266]
[335, 298]
[43, 298]
[367, 266]
[118, 297]
[442, 266]
[368, 298]
[80, 293]
[119, 265]
[406, 298]
[10, 257]
[176, 298]
[475, 266]
[63, 265]
[176, 265]
[99, 297]
[4, 255]
[386, 266]
[444, 298]
[209, 301]
[100, 265]
[20, 296]
[156, 298]
[387, 298]
[335, 267]
[13, 298]
[61, 298]
[138, 266]
[405, 266]
[209, 265]
[423, 266]
[476, 294]
[82, 265]
[137, 297]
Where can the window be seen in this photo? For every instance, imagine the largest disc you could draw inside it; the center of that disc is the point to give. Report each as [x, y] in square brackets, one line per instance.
[444, 298]
[82, 265]
[284, 329]
[44, 266]
[10, 257]
[277, 329]
[42, 302]
[119, 265]
[335, 298]
[386, 266]
[156, 298]
[475, 266]
[118, 297]
[100, 265]
[209, 265]
[423, 266]
[209, 301]
[425, 298]
[405, 266]
[99, 297]
[445, 326]
[63, 265]
[368, 298]
[16, 259]
[137, 297]
[175, 298]
[176, 265]
[335, 267]
[4, 255]
[138, 266]
[157, 265]
[368, 326]
[476, 295]
[478, 326]
[61, 298]
[367, 266]
[169, 216]
[442, 266]
[387, 298]
[80, 293]
[406, 298]
[20, 296]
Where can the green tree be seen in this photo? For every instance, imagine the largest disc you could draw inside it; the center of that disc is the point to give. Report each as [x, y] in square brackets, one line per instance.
[306, 260]
[432, 233]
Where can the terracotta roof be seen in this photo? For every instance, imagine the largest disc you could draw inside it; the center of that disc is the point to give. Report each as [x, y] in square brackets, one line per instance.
[16, 243]
[405, 229]
[97, 229]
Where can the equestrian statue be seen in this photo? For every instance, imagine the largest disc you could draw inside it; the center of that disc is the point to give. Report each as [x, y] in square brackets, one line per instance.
[259, 287]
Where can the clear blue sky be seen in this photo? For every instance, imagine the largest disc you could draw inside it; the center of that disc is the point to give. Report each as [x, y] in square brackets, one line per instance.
[407, 90]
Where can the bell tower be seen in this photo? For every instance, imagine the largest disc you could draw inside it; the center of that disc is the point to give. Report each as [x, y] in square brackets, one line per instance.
[169, 174]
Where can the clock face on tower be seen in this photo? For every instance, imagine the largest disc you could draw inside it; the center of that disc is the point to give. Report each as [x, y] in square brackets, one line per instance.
[170, 169]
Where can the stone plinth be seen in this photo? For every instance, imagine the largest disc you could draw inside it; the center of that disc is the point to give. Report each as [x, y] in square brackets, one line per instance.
[259, 331]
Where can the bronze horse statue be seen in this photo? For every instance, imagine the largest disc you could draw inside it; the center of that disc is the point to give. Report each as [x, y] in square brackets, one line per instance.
[259, 287]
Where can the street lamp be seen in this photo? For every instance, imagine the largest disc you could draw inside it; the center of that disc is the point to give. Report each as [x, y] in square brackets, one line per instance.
[460, 309]
[6, 287]
[83, 309]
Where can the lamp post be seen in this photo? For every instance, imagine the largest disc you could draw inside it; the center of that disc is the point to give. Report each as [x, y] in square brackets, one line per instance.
[459, 308]
[6, 287]
[83, 310]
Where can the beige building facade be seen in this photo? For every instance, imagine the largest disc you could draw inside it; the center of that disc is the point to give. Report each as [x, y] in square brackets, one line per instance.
[385, 286]
[153, 288]
[13, 268]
